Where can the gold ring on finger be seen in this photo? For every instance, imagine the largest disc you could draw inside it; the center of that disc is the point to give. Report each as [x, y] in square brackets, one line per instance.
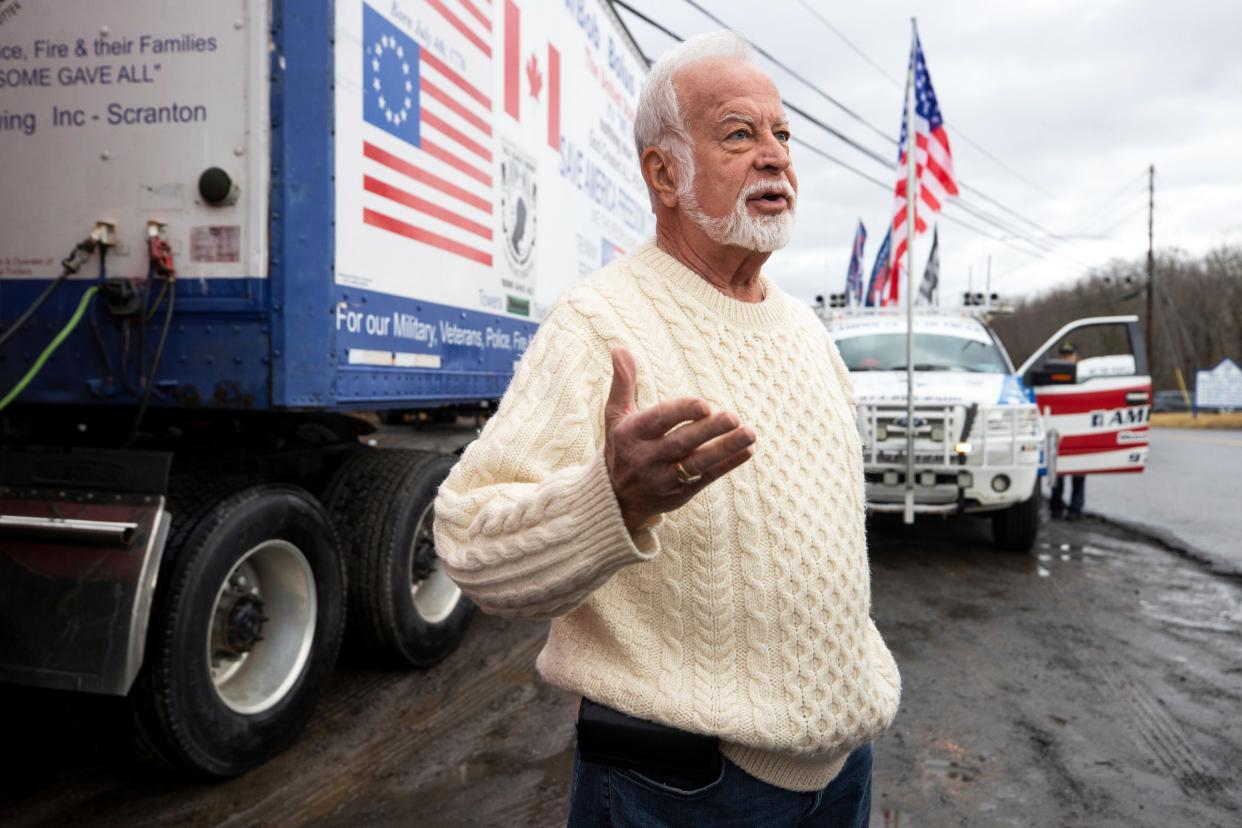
[686, 478]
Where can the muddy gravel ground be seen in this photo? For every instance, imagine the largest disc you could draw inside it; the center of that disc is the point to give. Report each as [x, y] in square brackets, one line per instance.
[1096, 681]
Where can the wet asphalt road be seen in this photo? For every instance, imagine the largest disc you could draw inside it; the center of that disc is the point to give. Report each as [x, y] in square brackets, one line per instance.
[1097, 681]
[1188, 493]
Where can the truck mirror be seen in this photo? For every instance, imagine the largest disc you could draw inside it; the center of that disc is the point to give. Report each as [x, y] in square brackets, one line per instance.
[1053, 372]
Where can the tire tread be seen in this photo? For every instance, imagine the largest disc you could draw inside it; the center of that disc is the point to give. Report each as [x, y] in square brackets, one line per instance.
[198, 506]
[352, 501]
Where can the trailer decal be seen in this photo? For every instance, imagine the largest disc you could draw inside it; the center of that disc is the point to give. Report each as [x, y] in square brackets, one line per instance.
[464, 199]
[114, 95]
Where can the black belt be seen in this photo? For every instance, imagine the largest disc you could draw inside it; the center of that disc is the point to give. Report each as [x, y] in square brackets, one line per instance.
[610, 737]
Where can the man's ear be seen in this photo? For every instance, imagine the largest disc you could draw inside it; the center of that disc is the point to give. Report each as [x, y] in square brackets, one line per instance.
[661, 176]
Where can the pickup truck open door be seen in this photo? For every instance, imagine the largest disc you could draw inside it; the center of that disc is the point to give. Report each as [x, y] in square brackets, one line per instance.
[1096, 400]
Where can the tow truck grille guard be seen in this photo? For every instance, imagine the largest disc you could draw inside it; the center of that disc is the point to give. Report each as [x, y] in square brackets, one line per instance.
[997, 434]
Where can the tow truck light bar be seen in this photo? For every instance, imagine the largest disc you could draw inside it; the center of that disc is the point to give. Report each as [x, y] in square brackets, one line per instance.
[979, 299]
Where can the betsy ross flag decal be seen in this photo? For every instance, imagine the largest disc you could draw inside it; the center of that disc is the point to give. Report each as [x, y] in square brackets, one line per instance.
[433, 185]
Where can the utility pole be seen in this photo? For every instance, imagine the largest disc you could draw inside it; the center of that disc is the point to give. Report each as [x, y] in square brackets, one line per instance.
[1151, 271]
[987, 285]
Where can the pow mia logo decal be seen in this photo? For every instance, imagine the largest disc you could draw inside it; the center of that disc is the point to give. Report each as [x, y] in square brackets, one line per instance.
[517, 210]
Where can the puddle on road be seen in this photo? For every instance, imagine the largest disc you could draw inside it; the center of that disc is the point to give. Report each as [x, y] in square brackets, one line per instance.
[1178, 599]
[1050, 554]
[1225, 621]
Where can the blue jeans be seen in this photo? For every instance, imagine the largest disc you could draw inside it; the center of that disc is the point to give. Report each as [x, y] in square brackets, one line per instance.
[1078, 494]
[604, 797]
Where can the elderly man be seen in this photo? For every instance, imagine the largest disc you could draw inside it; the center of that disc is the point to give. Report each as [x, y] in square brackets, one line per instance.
[675, 479]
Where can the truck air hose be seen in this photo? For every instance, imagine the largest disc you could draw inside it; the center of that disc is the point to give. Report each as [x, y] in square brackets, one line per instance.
[155, 362]
[69, 266]
[100, 345]
[51, 348]
[142, 327]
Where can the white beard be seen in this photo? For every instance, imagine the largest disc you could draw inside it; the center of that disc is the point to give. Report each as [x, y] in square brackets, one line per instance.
[738, 228]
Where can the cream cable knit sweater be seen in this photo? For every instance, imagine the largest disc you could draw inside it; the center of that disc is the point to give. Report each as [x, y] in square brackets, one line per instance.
[744, 614]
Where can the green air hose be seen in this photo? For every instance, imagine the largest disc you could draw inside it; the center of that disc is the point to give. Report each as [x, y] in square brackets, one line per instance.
[51, 348]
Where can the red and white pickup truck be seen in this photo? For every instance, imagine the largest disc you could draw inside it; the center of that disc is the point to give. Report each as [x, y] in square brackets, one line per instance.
[984, 432]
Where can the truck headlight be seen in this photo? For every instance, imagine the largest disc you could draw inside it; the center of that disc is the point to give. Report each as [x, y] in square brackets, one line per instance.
[963, 447]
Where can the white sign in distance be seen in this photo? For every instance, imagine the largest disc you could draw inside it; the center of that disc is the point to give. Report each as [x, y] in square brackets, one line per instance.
[1220, 387]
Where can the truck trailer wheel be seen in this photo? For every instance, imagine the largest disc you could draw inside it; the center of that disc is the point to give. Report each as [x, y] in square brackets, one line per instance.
[244, 633]
[1017, 527]
[402, 605]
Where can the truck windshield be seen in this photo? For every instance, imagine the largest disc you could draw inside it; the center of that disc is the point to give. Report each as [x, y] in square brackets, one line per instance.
[932, 352]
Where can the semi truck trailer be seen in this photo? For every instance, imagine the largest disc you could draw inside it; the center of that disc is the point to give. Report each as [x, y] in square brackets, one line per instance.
[228, 228]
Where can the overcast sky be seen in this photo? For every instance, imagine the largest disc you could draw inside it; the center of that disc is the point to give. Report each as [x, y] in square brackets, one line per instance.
[1075, 100]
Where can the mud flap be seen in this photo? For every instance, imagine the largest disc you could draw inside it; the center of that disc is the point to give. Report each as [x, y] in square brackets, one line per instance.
[81, 534]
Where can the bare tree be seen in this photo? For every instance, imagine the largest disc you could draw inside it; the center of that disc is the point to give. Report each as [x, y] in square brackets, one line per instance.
[1198, 309]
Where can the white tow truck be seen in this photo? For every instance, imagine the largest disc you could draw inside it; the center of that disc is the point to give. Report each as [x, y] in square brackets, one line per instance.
[984, 433]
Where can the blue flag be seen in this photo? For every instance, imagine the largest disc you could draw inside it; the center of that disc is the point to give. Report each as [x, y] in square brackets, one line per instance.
[853, 280]
[879, 272]
[389, 77]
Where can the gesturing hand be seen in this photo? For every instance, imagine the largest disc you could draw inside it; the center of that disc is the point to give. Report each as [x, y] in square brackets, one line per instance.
[643, 449]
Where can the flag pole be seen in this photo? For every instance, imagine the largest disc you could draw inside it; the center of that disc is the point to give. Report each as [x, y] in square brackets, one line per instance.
[911, 184]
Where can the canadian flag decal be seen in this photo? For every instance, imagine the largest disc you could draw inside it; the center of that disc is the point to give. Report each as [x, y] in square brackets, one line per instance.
[536, 81]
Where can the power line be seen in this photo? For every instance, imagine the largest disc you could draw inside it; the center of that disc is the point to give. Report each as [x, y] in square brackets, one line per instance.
[1017, 235]
[1130, 216]
[1014, 213]
[815, 13]
[882, 133]
[1043, 253]
[858, 51]
[836, 133]
[866, 151]
[1128, 189]
[1034, 242]
[823, 154]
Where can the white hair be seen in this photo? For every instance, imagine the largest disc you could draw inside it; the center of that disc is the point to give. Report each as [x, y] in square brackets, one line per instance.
[658, 121]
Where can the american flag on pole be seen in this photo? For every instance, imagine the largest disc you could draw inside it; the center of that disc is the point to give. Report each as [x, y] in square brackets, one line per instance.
[433, 185]
[933, 160]
[853, 280]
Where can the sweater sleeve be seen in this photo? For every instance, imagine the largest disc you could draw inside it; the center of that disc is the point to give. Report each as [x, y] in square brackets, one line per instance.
[527, 523]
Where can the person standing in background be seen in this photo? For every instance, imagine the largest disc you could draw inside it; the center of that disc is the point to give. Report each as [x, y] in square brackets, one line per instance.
[1078, 488]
